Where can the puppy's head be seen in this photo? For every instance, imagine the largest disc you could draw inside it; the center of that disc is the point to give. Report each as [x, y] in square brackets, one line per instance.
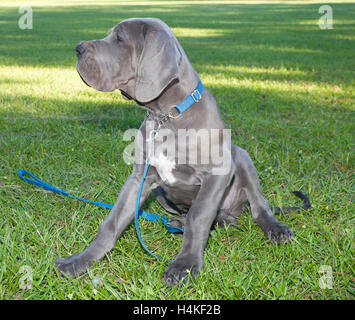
[141, 57]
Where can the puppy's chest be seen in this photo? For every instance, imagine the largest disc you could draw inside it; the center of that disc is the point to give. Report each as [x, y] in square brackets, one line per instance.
[164, 167]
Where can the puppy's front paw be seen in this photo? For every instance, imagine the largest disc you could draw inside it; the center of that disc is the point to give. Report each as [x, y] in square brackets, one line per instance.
[179, 271]
[278, 232]
[71, 266]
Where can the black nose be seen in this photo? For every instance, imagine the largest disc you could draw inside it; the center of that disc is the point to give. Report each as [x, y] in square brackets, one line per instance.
[79, 49]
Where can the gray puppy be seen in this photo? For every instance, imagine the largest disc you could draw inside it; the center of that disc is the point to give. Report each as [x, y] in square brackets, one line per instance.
[143, 59]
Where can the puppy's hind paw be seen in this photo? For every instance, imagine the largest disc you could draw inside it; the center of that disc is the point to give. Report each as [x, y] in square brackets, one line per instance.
[278, 233]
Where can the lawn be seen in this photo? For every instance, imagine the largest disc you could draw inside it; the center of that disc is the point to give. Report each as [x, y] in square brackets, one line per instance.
[285, 88]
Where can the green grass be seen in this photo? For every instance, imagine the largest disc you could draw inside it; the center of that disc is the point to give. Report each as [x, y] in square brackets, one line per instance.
[284, 86]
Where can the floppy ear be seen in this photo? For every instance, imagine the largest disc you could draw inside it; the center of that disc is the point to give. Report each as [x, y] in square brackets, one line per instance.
[158, 65]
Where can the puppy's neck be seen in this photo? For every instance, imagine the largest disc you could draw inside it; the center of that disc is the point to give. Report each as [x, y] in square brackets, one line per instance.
[176, 92]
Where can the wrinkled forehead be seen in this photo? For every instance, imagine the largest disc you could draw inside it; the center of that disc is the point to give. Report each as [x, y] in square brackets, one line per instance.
[129, 27]
[133, 26]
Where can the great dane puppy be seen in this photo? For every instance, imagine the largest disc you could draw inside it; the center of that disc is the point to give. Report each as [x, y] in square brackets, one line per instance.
[143, 59]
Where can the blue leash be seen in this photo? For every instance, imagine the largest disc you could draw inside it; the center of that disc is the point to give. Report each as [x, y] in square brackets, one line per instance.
[35, 181]
[141, 214]
[161, 219]
[195, 96]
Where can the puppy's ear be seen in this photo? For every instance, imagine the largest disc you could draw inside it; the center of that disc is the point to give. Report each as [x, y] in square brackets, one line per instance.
[158, 64]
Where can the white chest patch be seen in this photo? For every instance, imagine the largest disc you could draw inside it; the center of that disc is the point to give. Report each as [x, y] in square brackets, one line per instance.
[164, 167]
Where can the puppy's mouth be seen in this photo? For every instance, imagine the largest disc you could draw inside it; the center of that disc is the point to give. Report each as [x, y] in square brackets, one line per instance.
[77, 69]
[91, 74]
[89, 71]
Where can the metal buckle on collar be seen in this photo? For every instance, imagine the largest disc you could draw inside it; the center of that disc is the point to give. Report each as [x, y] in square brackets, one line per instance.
[198, 98]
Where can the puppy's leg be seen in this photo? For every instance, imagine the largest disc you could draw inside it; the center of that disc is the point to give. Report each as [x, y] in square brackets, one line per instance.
[111, 228]
[197, 227]
[233, 203]
[261, 213]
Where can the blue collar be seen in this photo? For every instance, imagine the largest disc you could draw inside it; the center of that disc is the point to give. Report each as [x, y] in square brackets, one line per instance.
[195, 96]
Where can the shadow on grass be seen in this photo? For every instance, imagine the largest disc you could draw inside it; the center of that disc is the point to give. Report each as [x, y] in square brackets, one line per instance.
[96, 115]
[242, 109]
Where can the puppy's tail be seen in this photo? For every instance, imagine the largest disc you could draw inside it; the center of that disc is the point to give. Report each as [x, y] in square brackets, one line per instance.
[299, 194]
